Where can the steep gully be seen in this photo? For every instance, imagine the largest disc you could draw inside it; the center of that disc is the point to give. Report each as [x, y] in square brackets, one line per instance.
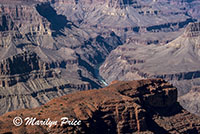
[58, 23]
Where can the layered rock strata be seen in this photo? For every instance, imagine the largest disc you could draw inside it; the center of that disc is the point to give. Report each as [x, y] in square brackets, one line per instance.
[44, 55]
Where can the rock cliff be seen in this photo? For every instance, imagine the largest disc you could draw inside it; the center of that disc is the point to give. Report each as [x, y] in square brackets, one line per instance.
[144, 106]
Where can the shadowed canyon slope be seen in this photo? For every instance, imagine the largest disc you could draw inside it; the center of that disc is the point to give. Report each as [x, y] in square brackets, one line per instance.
[145, 106]
[177, 62]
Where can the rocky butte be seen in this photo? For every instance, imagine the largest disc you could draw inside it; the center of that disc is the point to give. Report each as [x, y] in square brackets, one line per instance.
[144, 106]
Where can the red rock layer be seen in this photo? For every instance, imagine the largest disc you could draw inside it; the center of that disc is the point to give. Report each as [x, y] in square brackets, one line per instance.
[144, 106]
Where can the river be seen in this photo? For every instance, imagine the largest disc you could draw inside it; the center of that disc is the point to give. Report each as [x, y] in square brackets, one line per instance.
[98, 76]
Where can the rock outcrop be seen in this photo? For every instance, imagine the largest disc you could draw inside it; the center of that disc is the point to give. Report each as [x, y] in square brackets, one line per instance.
[144, 106]
[192, 30]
